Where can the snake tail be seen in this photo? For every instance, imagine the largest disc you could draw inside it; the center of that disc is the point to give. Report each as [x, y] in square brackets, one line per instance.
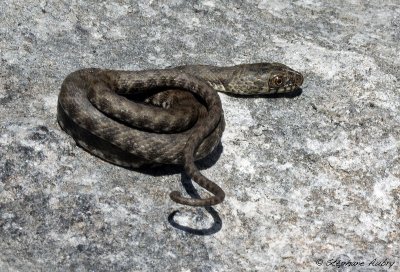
[192, 170]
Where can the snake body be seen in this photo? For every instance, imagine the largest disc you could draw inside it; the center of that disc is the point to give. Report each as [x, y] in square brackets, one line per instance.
[163, 116]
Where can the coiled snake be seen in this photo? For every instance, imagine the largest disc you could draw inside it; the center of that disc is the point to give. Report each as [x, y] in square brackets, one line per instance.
[169, 116]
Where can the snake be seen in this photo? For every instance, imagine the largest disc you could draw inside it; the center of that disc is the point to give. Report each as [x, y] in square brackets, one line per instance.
[143, 118]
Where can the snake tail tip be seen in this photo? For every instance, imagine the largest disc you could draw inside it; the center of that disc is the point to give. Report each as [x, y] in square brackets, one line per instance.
[175, 195]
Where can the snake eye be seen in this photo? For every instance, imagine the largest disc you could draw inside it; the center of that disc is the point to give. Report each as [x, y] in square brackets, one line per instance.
[277, 81]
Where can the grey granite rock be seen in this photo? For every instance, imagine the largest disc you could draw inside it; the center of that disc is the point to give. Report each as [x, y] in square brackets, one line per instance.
[309, 178]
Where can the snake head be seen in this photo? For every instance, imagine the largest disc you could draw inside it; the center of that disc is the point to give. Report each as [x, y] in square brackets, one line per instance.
[265, 78]
[283, 79]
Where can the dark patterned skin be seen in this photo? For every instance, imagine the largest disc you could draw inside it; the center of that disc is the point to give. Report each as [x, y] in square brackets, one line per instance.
[170, 116]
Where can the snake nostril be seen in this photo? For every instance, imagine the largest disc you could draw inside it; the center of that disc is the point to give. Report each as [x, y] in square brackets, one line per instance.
[299, 79]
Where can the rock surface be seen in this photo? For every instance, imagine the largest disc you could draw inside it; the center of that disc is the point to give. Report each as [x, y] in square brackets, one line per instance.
[310, 179]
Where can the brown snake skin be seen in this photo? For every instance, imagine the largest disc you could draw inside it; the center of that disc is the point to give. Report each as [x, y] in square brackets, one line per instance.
[168, 116]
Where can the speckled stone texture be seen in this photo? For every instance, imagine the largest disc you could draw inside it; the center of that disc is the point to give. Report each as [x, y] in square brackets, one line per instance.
[312, 182]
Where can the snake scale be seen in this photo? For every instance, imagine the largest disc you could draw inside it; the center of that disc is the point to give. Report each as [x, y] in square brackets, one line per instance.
[162, 116]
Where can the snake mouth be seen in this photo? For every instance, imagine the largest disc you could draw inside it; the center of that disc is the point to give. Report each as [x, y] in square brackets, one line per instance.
[294, 82]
